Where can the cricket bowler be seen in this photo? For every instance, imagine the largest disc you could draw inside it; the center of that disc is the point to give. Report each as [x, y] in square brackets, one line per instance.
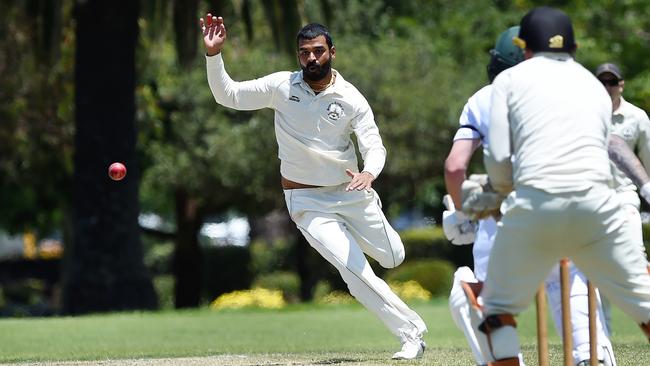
[331, 202]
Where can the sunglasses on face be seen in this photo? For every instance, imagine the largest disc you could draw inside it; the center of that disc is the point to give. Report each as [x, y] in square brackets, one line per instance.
[609, 82]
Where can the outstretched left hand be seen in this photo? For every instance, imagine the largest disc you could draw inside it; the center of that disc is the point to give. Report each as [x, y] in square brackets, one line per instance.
[359, 181]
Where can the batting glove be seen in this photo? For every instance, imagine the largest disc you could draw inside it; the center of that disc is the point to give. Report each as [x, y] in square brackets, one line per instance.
[458, 228]
[479, 199]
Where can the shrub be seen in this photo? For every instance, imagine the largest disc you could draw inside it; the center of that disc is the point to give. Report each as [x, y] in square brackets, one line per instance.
[434, 275]
[158, 257]
[323, 294]
[164, 285]
[337, 297]
[287, 282]
[321, 289]
[225, 269]
[258, 297]
[410, 290]
[268, 257]
[430, 242]
[425, 242]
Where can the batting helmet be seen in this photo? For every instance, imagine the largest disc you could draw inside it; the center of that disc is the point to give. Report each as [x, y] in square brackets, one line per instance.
[546, 29]
[505, 53]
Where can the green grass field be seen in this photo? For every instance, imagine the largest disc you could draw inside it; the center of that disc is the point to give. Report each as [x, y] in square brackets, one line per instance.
[298, 335]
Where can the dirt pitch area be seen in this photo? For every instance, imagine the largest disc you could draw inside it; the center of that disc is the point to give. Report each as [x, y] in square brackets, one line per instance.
[234, 360]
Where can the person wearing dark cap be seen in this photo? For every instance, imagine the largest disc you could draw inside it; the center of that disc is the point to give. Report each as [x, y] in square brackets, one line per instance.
[629, 122]
[632, 125]
[472, 133]
[548, 155]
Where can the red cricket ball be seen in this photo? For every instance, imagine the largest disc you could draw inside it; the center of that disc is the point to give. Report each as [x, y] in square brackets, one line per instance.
[117, 171]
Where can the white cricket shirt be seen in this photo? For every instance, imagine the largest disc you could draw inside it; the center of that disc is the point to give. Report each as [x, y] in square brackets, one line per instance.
[474, 125]
[475, 118]
[552, 117]
[313, 131]
[631, 123]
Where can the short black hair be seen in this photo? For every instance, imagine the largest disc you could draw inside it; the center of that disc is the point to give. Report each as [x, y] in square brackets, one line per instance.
[313, 30]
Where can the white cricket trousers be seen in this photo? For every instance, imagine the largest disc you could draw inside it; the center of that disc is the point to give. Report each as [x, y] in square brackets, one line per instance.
[342, 226]
[590, 227]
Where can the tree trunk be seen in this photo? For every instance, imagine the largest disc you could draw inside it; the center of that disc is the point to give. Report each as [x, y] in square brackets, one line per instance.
[284, 20]
[187, 256]
[104, 267]
[186, 30]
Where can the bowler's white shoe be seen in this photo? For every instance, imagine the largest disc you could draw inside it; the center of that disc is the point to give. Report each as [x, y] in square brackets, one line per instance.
[411, 349]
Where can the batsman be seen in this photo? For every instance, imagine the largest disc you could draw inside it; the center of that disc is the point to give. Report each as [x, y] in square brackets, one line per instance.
[552, 119]
[464, 299]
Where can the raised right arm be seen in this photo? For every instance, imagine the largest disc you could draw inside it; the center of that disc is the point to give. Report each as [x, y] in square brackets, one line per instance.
[246, 95]
[243, 95]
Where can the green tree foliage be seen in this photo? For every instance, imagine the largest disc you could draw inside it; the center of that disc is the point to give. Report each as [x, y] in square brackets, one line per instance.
[224, 159]
[616, 31]
[200, 158]
[36, 116]
[435, 275]
[416, 61]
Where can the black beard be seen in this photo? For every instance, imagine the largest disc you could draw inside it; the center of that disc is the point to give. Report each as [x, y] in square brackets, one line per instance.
[319, 74]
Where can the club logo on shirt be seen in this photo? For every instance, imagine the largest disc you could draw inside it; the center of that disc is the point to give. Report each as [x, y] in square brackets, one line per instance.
[334, 111]
[628, 133]
[294, 98]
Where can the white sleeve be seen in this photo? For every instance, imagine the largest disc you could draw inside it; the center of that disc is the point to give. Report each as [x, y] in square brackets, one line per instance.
[242, 95]
[497, 157]
[468, 123]
[370, 144]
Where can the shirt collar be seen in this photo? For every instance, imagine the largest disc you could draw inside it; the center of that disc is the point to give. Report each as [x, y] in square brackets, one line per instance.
[621, 107]
[334, 88]
[559, 56]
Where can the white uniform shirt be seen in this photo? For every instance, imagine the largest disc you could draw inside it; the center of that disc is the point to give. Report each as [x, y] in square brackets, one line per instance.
[552, 117]
[474, 125]
[312, 131]
[631, 123]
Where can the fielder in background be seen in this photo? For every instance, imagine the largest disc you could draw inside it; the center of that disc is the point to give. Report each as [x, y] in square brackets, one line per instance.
[331, 202]
[632, 125]
[464, 300]
[552, 120]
